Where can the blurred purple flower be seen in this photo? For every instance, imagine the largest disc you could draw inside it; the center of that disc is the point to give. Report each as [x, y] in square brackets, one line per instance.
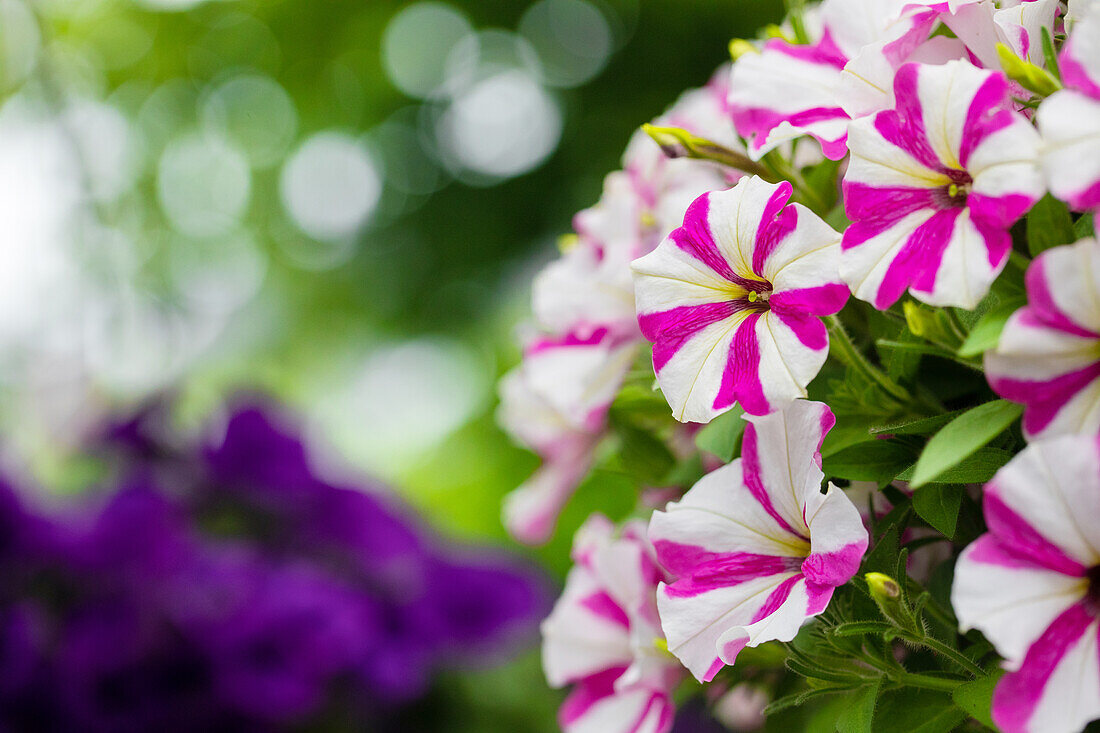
[230, 586]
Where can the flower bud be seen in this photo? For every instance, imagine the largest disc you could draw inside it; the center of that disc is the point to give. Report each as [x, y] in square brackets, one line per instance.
[1026, 74]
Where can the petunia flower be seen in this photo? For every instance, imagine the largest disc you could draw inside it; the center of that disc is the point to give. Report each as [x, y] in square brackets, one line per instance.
[789, 89]
[604, 637]
[1048, 356]
[639, 206]
[755, 547]
[1069, 120]
[934, 185]
[556, 403]
[731, 301]
[1032, 585]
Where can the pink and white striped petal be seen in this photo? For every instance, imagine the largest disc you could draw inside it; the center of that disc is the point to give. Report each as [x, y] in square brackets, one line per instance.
[1048, 356]
[1031, 585]
[789, 90]
[602, 636]
[732, 301]
[786, 91]
[754, 547]
[934, 185]
[556, 403]
[1069, 120]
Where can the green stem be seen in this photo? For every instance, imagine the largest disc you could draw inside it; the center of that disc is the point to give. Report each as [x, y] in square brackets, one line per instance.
[928, 682]
[940, 648]
[1019, 260]
[795, 13]
[805, 191]
[850, 354]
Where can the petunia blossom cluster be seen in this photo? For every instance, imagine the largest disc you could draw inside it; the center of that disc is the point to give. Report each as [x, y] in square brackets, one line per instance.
[859, 269]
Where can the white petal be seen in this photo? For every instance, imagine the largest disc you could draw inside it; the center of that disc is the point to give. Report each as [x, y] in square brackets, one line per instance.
[1070, 698]
[876, 162]
[1070, 126]
[720, 514]
[780, 625]
[631, 711]
[946, 93]
[834, 521]
[964, 275]
[1073, 276]
[785, 446]
[583, 287]
[577, 642]
[692, 378]
[669, 277]
[1055, 486]
[786, 364]
[733, 218]
[1012, 606]
[809, 257]
[1031, 352]
[864, 266]
[1006, 162]
[579, 380]
[694, 626]
[854, 24]
[528, 417]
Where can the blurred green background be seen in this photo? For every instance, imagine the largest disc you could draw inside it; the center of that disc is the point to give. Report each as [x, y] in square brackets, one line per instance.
[340, 202]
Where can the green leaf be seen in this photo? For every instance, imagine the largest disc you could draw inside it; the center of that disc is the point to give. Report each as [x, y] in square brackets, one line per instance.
[844, 434]
[975, 469]
[721, 434]
[1049, 224]
[1084, 226]
[938, 504]
[987, 331]
[976, 698]
[685, 473]
[913, 710]
[859, 713]
[963, 436]
[642, 455]
[923, 426]
[875, 460]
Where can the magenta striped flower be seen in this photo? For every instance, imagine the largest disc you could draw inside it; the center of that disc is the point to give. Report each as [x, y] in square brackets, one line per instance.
[732, 299]
[934, 186]
[788, 90]
[556, 403]
[1069, 120]
[604, 636]
[1032, 585]
[1048, 356]
[755, 547]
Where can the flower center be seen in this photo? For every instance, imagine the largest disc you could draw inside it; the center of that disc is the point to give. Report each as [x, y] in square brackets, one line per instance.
[756, 297]
[955, 193]
[1092, 595]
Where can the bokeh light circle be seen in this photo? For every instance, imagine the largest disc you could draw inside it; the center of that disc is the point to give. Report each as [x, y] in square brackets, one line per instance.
[410, 396]
[330, 186]
[502, 126]
[203, 184]
[254, 112]
[572, 38]
[20, 42]
[417, 43]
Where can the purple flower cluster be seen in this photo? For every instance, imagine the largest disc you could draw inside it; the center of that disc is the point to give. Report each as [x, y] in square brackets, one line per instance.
[231, 587]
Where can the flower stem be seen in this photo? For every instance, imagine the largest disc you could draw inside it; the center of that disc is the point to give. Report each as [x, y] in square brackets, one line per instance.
[940, 648]
[850, 354]
[786, 171]
[928, 682]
